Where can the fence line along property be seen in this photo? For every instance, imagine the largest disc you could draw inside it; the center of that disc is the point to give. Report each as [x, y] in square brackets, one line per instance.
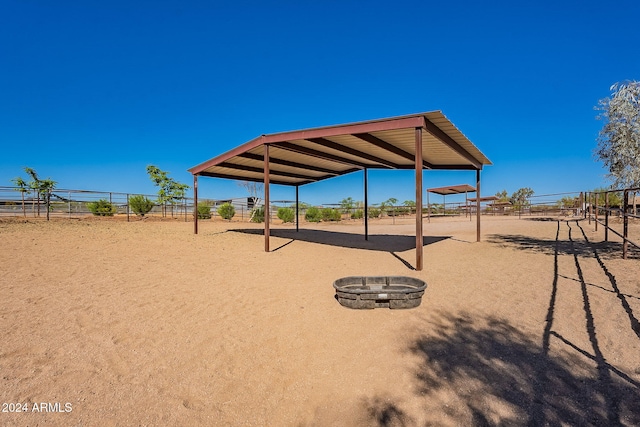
[611, 208]
[613, 203]
[74, 204]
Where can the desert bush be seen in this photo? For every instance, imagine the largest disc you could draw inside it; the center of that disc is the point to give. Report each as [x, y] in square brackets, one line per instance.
[226, 211]
[140, 205]
[313, 215]
[330, 214]
[359, 214]
[374, 213]
[257, 214]
[204, 211]
[102, 207]
[286, 214]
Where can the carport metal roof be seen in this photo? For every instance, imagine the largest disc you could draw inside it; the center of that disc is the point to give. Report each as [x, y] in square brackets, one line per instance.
[452, 189]
[418, 141]
[311, 155]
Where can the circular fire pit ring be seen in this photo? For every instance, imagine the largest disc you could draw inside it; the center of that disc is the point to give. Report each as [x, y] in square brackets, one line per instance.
[366, 292]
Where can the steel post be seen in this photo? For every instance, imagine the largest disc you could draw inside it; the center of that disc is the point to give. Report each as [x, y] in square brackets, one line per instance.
[418, 166]
[267, 213]
[195, 204]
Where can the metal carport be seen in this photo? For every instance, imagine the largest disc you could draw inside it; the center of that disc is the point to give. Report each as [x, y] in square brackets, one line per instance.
[418, 141]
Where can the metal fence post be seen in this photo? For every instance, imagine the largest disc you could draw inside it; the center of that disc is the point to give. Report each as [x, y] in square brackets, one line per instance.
[597, 196]
[625, 232]
[606, 216]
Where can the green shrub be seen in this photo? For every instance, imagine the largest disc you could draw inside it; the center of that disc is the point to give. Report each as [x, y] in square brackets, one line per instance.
[257, 214]
[226, 211]
[140, 205]
[286, 214]
[330, 214]
[359, 214]
[102, 207]
[204, 211]
[374, 213]
[313, 215]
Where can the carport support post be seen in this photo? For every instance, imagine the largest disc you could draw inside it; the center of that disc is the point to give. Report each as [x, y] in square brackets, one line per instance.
[478, 205]
[195, 204]
[267, 213]
[366, 206]
[297, 203]
[466, 205]
[418, 164]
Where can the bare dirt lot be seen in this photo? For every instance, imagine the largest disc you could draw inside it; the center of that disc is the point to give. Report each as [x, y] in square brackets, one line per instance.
[106, 322]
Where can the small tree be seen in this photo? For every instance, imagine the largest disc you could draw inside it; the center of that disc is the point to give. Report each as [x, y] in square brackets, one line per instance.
[411, 204]
[140, 205]
[23, 187]
[102, 207]
[502, 196]
[169, 190]
[347, 205]
[520, 198]
[226, 211]
[619, 139]
[389, 205]
[615, 201]
[41, 187]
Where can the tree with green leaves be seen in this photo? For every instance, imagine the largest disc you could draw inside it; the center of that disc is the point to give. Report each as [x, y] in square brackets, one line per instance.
[41, 187]
[411, 204]
[23, 187]
[520, 198]
[502, 196]
[619, 139]
[170, 191]
[615, 201]
[347, 205]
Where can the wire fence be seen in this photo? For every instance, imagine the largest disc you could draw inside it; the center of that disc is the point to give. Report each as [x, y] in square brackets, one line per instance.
[615, 210]
[76, 203]
[70, 203]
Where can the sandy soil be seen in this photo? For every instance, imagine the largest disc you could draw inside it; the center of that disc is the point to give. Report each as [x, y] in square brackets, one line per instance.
[143, 323]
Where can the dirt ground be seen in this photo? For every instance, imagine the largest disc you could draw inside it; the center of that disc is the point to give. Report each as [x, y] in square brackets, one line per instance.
[107, 322]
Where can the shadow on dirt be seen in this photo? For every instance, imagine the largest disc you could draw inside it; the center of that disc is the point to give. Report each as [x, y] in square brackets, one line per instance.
[487, 372]
[500, 376]
[376, 242]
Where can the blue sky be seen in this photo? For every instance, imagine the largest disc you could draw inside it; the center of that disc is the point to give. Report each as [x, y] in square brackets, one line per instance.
[93, 92]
